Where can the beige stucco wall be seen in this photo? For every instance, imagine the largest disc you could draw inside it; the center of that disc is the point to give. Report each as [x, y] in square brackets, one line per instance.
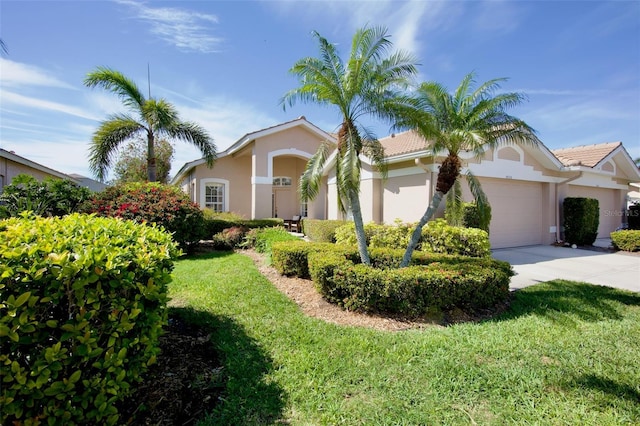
[406, 197]
[610, 203]
[10, 169]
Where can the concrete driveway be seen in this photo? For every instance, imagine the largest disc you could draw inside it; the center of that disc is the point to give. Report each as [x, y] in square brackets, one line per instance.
[536, 264]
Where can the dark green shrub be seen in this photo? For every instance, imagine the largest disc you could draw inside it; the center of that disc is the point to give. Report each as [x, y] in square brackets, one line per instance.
[290, 258]
[321, 231]
[50, 197]
[163, 205]
[214, 226]
[633, 216]
[627, 240]
[82, 304]
[581, 220]
[468, 284]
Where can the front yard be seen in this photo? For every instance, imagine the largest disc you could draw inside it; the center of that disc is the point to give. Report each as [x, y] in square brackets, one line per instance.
[565, 353]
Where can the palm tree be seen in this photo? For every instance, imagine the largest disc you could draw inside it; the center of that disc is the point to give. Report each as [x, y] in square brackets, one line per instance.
[3, 47]
[368, 85]
[155, 118]
[467, 120]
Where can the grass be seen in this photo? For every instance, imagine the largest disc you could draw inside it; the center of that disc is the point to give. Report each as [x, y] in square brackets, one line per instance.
[565, 353]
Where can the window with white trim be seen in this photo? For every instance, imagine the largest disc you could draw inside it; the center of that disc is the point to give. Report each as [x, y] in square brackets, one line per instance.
[214, 197]
[281, 181]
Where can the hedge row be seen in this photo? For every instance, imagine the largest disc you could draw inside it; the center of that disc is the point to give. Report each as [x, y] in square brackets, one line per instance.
[437, 237]
[321, 231]
[83, 302]
[433, 282]
[627, 240]
[215, 226]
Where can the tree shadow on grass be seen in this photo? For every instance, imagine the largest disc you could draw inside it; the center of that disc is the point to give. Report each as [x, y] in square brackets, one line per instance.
[610, 388]
[568, 301]
[248, 398]
[206, 254]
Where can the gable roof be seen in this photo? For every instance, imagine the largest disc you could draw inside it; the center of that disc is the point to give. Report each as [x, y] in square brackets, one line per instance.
[247, 138]
[10, 155]
[403, 143]
[585, 155]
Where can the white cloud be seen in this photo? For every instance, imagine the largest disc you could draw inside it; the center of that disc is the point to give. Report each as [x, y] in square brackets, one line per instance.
[14, 99]
[187, 30]
[16, 74]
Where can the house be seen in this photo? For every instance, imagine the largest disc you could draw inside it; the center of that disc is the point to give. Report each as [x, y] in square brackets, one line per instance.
[259, 174]
[524, 184]
[12, 165]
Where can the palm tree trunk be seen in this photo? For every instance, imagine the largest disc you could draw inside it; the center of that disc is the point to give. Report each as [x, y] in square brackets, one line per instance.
[354, 200]
[151, 158]
[417, 232]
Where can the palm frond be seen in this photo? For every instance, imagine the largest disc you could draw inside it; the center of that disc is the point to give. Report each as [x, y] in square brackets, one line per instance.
[111, 133]
[311, 180]
[116, 82]
[481, 200]
[196, 136]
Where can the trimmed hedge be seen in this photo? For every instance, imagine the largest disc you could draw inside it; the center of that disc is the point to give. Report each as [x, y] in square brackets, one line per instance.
[627, 240]
[321, 231]
[82, 304]
[215, 226]
[581, 220]
[437, 237]
[468, 284]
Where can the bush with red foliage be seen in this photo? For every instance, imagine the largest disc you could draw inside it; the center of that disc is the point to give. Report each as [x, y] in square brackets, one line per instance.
[163, 205]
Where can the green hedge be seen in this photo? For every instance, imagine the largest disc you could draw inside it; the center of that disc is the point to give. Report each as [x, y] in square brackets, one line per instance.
[437, 237]
[321, 231]
[82, 304]
[627, 240]
[581, 220]
[468, 284]
[215, 226]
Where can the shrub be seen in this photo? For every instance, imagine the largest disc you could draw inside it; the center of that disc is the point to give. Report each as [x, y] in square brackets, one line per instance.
[321, 230]
[214, 225]
[156, 203]
[50, 197]
[82, 304]
[627, 240]
[633, 216]
[262, 239]
[469, 284]
[437, 237]
[291, 258]
[230, 238]
[581, 220]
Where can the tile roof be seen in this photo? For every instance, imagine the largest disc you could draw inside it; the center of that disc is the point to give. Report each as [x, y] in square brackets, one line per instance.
[403, 143]
[585, 155]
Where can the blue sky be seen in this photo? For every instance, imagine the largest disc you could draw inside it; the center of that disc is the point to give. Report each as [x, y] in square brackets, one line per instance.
[224, 64]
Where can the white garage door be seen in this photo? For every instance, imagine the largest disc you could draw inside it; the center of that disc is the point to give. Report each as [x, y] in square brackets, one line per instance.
[516, 212]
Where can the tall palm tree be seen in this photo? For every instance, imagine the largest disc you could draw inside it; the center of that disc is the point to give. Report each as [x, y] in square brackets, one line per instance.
[155, 118]
[466, 120]
[368, 85]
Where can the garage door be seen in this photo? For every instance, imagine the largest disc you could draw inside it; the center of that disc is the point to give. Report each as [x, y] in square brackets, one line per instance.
[516, 212]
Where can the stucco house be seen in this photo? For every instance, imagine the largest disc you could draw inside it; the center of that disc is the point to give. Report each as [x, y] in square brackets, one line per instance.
[12, 165]
[258, 176]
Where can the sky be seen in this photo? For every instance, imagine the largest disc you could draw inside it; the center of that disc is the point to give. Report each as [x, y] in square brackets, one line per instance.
[225, 64]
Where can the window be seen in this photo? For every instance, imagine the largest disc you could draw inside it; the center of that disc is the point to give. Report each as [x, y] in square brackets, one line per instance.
[304, 208]
[281, 181]
[214, 197]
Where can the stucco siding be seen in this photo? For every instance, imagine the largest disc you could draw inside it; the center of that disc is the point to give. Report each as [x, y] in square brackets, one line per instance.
[405, 198]
[610, 203]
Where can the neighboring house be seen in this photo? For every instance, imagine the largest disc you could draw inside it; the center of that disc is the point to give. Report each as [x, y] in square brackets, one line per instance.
[258, 177]
[86, 182]
[12, 165]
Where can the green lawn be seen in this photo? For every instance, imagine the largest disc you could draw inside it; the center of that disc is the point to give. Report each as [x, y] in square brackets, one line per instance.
[565, 354]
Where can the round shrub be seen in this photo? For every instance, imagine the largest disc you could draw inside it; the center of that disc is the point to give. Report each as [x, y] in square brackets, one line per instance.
[627, 239]
[82, 304]
[163, 205]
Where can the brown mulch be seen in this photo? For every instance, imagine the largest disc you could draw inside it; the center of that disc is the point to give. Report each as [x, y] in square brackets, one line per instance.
[188, 380]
